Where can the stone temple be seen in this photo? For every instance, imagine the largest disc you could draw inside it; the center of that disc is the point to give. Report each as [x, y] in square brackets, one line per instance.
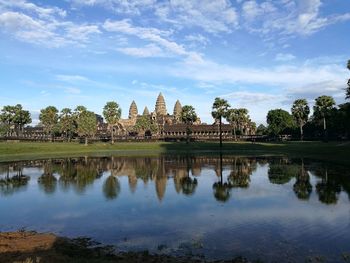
[160, 117]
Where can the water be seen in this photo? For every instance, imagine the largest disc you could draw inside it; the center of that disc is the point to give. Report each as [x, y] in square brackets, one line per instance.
[271, 209]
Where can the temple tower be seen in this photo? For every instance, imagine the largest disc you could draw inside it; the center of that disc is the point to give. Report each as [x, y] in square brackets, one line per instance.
[133, 110]
[145, 111]
[177, 111]
[160, 105]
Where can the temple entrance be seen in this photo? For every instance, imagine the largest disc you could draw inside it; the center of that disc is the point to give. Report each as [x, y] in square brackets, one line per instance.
[148, 134]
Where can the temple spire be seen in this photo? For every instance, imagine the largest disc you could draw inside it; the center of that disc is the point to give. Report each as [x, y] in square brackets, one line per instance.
[160, 108]
[145, 111]
[133, 110]
[177, 110]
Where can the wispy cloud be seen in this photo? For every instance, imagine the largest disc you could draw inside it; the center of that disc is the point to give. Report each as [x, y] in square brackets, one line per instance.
[283, 75]
[284, 57]
[42, 26]
[150, 50]
[287, 17]
[211, 16]
[71, 78]
[153, 35]
[43, 12]
[119, 6]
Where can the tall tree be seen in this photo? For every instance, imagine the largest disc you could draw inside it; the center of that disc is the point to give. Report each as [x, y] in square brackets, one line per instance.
[15, 118]
[7, 117]
[49, 119]
[322, 109]
[188, 116]
[300, 112]
[348, 88]
[112, 113]
[279, 121]
[219, 111]
[233, 119]
[86, 124]
[66, 123]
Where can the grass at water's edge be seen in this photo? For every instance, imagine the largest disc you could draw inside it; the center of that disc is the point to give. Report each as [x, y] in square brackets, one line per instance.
[338, 152]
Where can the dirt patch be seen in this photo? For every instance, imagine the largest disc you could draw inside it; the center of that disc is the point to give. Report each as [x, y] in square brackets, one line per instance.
[32, 247]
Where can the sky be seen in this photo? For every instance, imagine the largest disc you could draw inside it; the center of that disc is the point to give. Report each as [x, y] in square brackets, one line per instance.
[257, 54]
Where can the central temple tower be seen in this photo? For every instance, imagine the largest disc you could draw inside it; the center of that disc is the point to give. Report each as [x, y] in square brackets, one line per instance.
[160, 105]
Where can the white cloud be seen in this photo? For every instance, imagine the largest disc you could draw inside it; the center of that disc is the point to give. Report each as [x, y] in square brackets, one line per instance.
[289, 17]
[311, 91]
[71, 78]
[81, 32]
[283, 75]
[40, 11]
[197, 40]
[284, 57]
[212, 16]
[29, 30]
[119, 6]
[150, 50]
[153, 35]
[248, 98]
[45, 32]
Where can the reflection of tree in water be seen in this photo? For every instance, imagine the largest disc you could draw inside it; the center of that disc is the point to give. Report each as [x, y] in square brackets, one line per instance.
[80, 173]
[281, 171]
[241, 170]
[67, 170]
[328, 189]
[111, 187]
[221, 189]
[334, 179]
[302, 187]
[189, 184]
[47, 181]
[15, 182]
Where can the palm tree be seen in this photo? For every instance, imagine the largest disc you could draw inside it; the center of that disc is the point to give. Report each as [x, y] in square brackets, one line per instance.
[300, 112]
[220, 109]
[188, 116]
[86, 124]
[323, 106]
[66, 122]
[232, 118]
[112, 113]
[49, 118]
[243, 119]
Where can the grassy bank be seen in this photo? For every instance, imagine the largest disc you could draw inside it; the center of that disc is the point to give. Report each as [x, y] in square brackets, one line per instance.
[333, 151]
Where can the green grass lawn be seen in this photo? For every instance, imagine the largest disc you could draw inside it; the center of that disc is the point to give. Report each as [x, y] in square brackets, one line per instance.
[332, 151]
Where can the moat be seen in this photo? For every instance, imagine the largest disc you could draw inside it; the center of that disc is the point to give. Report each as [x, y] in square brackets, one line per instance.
[212, 207]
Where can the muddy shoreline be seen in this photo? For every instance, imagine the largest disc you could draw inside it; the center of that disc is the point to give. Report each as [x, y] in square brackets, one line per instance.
[33, 247]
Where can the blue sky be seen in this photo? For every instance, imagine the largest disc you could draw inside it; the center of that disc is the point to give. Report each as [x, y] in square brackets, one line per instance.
[257, 54]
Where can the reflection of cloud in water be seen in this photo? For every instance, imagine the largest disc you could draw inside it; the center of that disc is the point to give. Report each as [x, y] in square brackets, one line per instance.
[68, 215]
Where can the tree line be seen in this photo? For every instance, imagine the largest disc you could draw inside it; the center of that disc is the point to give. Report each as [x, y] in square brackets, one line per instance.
[327, 121]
